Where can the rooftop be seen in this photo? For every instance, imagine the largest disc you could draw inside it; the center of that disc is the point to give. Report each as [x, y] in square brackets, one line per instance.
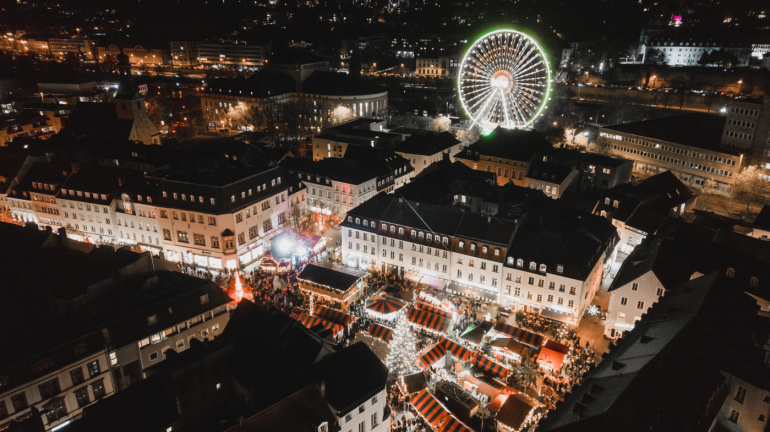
[702, 131]
[512, 144]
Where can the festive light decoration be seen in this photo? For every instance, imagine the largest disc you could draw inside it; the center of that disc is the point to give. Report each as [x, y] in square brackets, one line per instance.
[403, 354]
[593, 310]
[504, 80]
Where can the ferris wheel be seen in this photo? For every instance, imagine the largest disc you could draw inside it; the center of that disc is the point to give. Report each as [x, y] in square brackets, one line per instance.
[504, 80]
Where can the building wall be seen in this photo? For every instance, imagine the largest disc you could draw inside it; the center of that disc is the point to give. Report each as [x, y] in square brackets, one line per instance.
[747, 129]
[691, 165]
[91, 222]
[232, 54]
[184, 54]
[420, 162]
[552, 189]
[621, 317]
[752, 407]
[510, 170]
[68, 391]
[351, 421]
[60, 47]
[689, 53]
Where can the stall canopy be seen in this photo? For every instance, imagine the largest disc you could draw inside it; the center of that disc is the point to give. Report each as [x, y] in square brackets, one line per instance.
[452, 424]
[557, 316]
[333, 315]
[433, 354]
[512, 346]
[310, 321]
[520, 335]
[420, 278]
[428, 320]
[457, 350]
[490, 366]
[381, 332]
[469, 291]
[384, 306]
[297, 310]
[429, 408]
[552, 354]
[433, 309]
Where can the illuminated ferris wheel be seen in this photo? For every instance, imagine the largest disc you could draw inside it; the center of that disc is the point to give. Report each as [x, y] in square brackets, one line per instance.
[504, 80]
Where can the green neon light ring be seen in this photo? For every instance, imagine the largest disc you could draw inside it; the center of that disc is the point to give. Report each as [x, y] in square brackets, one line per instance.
[504, 80]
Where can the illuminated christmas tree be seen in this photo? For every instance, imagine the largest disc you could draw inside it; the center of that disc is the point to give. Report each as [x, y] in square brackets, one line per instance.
[402, 356]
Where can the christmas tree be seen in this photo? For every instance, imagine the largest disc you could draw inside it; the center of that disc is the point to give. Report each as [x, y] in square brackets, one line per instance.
[402, 356]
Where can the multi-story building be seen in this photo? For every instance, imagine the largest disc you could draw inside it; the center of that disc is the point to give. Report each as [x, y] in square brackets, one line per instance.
[61, 47]
[486, 255]
[596, 171]
[24, 124]
[232, 53]
[222, 217]
[747, 129]
[184, 54]
[440, 67]
[336, 185]
[640, 210]
[42, 183]
[57, 383]
[424, 149]
[505, 152]
[86, 203]
[138, 55]
[688, 145]
[333, 141]
[552, 178]
[688, 51]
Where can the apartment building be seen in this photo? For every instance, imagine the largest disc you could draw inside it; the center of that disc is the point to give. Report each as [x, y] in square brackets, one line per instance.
[690, 146]
[747, 129]
[505, 152]
[232, 53]
[423, 149]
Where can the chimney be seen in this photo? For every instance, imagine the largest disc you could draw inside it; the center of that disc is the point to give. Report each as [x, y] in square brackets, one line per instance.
[489, 219]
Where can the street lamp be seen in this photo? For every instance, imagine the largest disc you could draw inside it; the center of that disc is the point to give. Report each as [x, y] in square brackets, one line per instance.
[740, 85]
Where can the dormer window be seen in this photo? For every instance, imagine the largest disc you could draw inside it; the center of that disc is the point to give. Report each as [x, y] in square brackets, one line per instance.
[165, 195]
[542, 268]
[754, 281]
[421, 235]
[374, 225]
[152, 319]
[358, 221]
[174, 195]
[532, 265]
[484, 249]
[510, 260]
[384, 227]
[232, 198]
[429, 237]
[559, 269]
[615, 203]
[497, 252]
[461, 244]
[473, 247]
[400, 231]
[607, 201]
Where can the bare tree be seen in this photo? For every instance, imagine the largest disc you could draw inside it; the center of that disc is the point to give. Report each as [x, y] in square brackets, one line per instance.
[750, 187]
[468, 136]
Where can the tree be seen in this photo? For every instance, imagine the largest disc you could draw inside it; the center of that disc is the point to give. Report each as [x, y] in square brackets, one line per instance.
[708, 190]
[655, 57]
[525, 375]
[440, 124]
[468, 136]
[341, 114]
[750, 187]
[403, 354]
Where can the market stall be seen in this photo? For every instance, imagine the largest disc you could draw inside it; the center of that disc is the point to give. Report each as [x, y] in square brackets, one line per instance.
[383, 307]
[433, 355]
[427, 320]
[381, 332]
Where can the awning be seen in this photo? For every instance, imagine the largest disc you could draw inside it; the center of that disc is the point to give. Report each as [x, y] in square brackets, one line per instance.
[469, 291]
[458, 351]
[433, 281]
[412, 276]
[333, 315]
[381, 332]
[550, 358]
[520, 335]
[452, 424]
[428, 320]
[429, 408]
[435, 353]
[384, 306]
[310, 321]
[490, 366]
[553, 314]
[297, 310]
[433, 309]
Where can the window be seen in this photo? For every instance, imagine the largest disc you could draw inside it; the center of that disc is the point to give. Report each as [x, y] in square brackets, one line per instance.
[734, 416]
[55, 410]
[623, 301]
[740, 396]
[49, 388]
[571, 303]
[542, 268]
[622, 317]
[361, 427]
[215, 242]
[98, 386]
[152, 319]
[348, 417]
[559, 268]
[93, 368]
[199, 239]
[82, 397]
[531, 281]
[77, 376]
[550, 298]
[539, 298]
[166, 234]
[19, 402]
[519, 262]
[153, 356]
[182, 237]
[204, 298]
[572, 290]
[660, 292]
[532, 265]
[640, 305]
[635, 287]
[374, 420]
[362, 408]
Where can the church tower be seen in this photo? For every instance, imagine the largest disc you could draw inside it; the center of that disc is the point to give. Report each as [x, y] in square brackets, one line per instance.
[129, 105]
